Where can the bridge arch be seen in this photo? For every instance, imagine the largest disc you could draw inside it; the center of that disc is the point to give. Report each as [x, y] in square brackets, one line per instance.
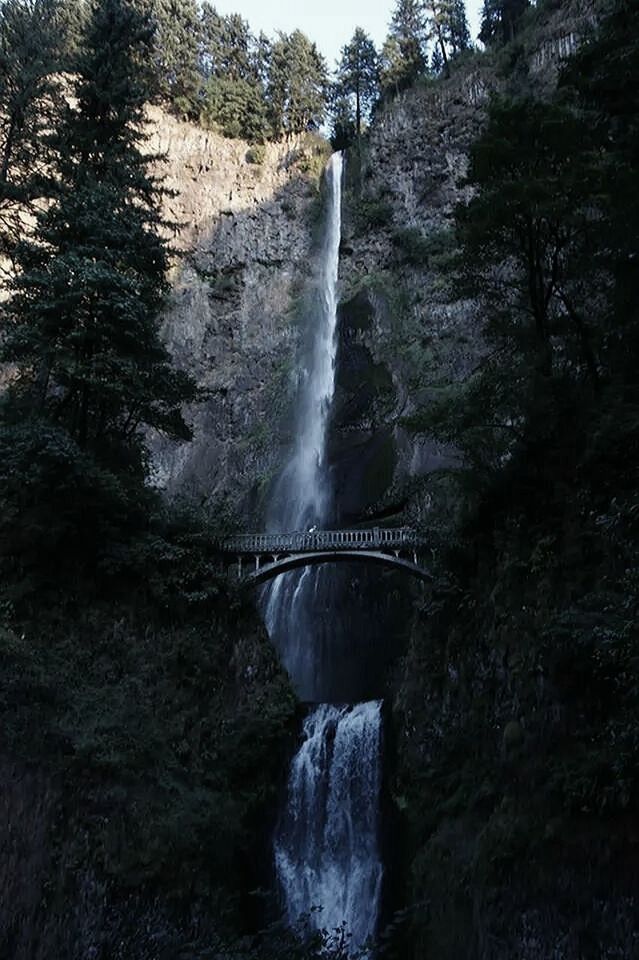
[284, 564]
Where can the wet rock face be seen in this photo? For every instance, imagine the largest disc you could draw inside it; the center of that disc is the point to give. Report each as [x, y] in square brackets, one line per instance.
[362, 447]
[244, 234]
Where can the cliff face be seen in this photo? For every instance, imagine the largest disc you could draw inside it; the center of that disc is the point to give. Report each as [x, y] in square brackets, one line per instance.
[242, 223]
[403, 189]
[245, 232]
[500, 757]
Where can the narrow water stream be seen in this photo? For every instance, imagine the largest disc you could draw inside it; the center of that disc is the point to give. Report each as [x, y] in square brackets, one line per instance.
[327, 847]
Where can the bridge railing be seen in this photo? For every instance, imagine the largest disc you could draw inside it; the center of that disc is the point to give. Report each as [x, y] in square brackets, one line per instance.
[301, 542]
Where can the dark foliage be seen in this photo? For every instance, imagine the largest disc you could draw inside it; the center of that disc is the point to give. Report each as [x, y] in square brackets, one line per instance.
[521, 745]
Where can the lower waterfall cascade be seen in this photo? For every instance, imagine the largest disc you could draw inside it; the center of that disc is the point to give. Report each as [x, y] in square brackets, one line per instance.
[326, 848]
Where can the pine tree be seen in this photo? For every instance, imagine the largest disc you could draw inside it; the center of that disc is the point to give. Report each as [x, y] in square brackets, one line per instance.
[176, 53]
[358, 75]
[448, 28]
[261, 58]
[235, 108]
[232, 98]
[342, 121]
[459, 35]
[500, 20]
[404, 54]
[597, 76]
[226, 45]
[297, 85]
[436, 61]
[83, 319]
[31, 56]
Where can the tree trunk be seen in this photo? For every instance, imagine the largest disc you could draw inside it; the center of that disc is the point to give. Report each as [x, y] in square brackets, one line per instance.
[440, 39]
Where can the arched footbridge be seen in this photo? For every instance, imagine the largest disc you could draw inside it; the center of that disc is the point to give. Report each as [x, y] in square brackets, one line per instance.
[262, 556]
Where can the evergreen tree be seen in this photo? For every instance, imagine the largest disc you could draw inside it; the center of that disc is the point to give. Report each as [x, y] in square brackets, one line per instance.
[297, 85]
[448, 28]
[231, 60]
[459, 34]
[358, 75]
[83, 319]
[176, 54]
[597, 76]
[531, 210]
[261, 58]
[527, 258]
[235, 108]
[226, 45]
[404, 54]
[342, 121]
[500, 20]
[31, 53]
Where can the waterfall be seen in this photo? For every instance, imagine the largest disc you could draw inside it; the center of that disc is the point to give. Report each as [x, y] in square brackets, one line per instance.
[326, 847]
[302, 495]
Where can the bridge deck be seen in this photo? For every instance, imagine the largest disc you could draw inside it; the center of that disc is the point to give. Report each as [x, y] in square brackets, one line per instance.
[376, 538]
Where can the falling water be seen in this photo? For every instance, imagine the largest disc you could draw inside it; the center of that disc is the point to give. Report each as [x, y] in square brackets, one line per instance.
[302, 495]
[326, 849]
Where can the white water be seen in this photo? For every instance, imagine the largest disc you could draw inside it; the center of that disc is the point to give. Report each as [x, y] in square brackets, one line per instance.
[326, 852]
[326, 849]
[302, 495]
[302, 486]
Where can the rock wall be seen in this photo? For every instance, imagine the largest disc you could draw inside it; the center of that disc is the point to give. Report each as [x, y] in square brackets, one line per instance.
[242, 224]
[403, 189]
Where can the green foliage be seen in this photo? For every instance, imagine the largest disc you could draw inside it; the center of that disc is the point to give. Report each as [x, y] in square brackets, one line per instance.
[374, 213]
[357, 77]
[448, 27]
[81, 330]
[525, 238]
[311, 156]
[404, 54]
[234, 108]
[524, 737]
[500, 20]
[208, 67]
[175, 53]
[226, 46]
[256, 154]
[343, 130]
[412, 245]
[424, 37]
[234, 66]
[58, 507]
[161, 715]
[83, 318]
[32, 51]
[297, 84]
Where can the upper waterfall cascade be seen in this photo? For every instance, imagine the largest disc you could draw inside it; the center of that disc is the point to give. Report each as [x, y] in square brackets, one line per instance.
[302, 495]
